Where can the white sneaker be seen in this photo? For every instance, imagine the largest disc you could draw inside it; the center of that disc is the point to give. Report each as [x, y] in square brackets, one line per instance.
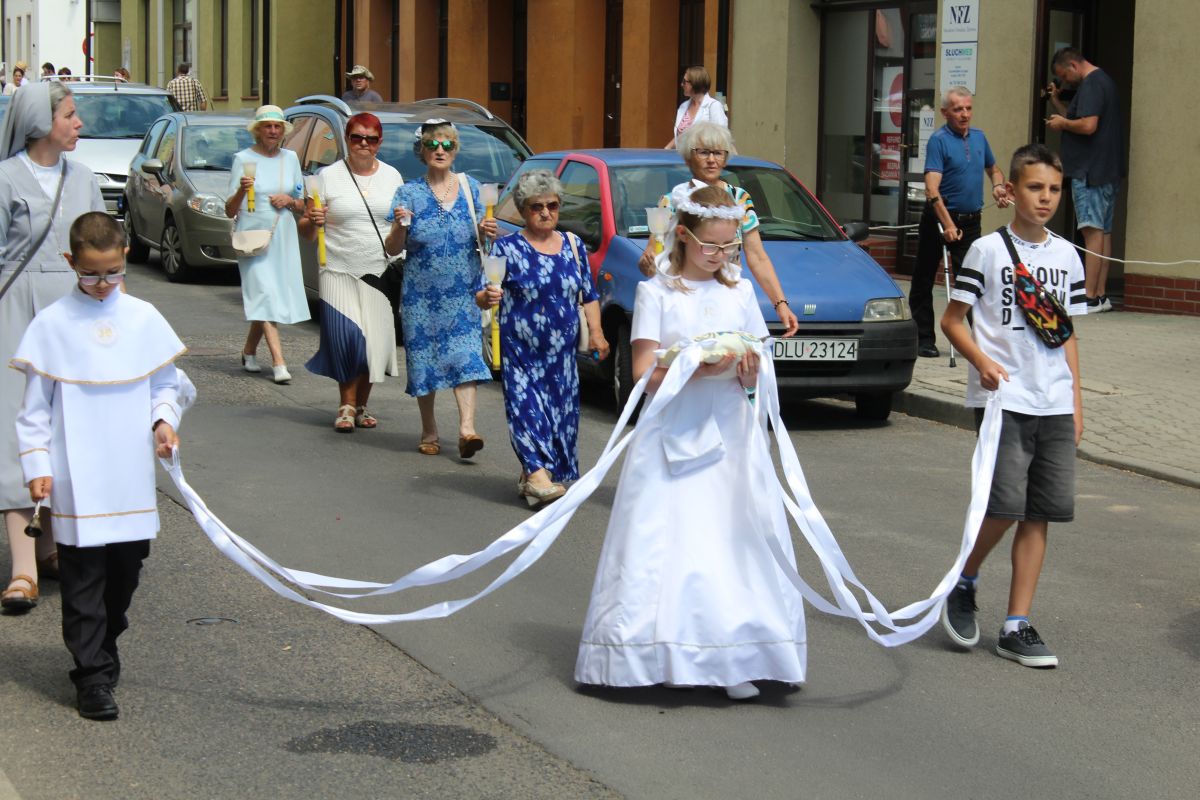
[1105, 304]
[282, 375]
[742, 691]
[250, 363]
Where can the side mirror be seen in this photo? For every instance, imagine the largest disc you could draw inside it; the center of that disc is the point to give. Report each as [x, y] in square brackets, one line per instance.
[152, 166]
[856, 231]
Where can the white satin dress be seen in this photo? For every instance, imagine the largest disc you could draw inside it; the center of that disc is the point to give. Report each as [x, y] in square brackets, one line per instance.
[687, 590]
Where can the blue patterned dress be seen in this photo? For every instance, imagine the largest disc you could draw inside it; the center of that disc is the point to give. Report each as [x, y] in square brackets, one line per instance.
[443, 344]
[539, 324]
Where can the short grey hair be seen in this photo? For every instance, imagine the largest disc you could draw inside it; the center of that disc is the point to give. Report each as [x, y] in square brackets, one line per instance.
[58, 93]
[952, 92]
[704, 135]
[536, 183]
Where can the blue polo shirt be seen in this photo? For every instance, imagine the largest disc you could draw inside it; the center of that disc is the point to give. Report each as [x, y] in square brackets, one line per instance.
[962, 161]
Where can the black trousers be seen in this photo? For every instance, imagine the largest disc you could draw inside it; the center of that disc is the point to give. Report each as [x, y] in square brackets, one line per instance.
[929, 254]
[97, 585]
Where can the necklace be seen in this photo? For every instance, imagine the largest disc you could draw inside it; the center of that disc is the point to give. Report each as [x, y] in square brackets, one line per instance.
[448, 188]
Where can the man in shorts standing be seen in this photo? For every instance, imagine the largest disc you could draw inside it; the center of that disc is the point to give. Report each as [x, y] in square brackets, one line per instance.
[1034, 480]
[1093, 156]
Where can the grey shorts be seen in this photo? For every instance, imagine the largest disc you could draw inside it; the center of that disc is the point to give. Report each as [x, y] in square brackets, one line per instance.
[1034, 477]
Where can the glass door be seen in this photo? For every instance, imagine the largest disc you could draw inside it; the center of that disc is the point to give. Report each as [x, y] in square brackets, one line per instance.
[921, 119]
[1063, 23]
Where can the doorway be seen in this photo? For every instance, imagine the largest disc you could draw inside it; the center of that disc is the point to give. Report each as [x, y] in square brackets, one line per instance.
[613, 22]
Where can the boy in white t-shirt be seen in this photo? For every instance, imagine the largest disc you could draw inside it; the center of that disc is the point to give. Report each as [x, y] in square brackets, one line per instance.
[1034, 480]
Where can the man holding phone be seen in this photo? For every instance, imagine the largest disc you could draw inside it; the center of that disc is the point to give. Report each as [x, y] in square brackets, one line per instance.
[1093, 157]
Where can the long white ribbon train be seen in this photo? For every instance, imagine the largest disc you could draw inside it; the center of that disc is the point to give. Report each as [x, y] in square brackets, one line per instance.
[539, 532]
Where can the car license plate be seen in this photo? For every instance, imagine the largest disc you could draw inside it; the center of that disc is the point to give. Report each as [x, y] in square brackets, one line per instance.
[816, 349]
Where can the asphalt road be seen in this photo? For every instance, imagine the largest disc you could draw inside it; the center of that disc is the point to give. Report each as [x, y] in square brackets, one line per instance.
[286, 702]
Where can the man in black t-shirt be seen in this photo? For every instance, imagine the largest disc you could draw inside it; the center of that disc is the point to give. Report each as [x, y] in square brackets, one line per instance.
[1093, 157]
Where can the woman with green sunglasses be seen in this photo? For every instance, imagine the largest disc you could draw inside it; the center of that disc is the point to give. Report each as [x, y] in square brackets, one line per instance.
[435, 219]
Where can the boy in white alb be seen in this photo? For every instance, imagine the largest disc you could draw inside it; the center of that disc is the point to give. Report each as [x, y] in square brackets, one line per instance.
[1034, 479]
[102, 396]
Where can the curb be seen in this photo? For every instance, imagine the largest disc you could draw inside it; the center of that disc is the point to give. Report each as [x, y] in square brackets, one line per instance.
[931, 406]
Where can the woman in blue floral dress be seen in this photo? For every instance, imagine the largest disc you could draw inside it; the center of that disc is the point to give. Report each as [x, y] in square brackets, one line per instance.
[539, 326]
[433, 218]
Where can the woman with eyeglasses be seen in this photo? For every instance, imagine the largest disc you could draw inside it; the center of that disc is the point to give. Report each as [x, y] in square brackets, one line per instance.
[436, 218]
[358, 331]
[272, 284]
[700, 106]
[546, 281]
[40, 126]
[705, 148]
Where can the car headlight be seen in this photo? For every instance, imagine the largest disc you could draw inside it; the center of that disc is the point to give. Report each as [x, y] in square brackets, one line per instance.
[208, 204]
[886, 309]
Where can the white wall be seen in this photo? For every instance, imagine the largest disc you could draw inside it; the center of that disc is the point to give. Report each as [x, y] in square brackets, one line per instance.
[45, 30]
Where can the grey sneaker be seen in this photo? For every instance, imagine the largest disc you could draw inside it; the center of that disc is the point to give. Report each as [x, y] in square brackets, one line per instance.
[958, 615]
[1025, 647]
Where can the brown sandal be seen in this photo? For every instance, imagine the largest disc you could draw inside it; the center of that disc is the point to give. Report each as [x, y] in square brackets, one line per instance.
[429, 448]
[469, 445]
[17, 599]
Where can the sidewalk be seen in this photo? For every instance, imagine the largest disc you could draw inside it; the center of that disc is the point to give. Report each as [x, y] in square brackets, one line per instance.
[1141, 391]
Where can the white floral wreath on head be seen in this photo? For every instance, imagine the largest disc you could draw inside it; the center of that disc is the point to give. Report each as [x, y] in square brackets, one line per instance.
[681, 200]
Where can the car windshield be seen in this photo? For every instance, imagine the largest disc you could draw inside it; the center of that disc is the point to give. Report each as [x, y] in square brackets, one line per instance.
[212, 147]
[488, 154]
[119, 115]
[786, 211]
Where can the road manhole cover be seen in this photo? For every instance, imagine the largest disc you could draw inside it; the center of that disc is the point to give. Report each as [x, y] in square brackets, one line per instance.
[424, 743]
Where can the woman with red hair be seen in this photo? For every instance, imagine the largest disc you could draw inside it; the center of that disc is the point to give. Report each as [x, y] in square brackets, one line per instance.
[358, 334]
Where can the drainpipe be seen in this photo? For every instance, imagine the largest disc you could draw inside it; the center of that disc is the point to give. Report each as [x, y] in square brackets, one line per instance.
[161, 81]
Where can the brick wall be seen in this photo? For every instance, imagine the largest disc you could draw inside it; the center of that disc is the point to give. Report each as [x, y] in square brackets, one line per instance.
[882, 249]
[1162, 295]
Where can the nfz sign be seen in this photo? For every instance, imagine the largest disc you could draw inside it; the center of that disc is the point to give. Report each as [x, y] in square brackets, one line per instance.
[960, 20]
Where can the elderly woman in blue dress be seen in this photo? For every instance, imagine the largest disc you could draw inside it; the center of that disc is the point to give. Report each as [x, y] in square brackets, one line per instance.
[40, 128]
[442, 343]
[546, 280]
[272, 284]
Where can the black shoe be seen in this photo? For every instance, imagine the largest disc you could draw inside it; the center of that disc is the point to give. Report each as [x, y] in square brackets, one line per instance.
[928, 351]
[96, 702]
[1025, 647]
[958, 615]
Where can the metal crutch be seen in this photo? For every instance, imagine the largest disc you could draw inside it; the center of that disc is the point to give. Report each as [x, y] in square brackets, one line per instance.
[946, 278]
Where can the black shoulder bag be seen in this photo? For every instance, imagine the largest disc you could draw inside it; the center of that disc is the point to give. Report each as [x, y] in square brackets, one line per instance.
[1049, 320]
[62, 179]
[392, 279]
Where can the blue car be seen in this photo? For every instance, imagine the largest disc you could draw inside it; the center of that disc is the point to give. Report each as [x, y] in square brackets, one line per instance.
[856, 334]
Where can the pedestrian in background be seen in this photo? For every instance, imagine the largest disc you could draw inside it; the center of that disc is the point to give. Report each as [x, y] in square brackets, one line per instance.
[121, 74]
[1034, 479]
[1093, 156]
[957, 159]
[442, 340]
[186, 90]
[358, 330]
[99, 477]
[272, 284]
[18, 77]
[48, 70]
[547, 279]
[705, 148]
[360, 90]
[699, 106]
[40, 126]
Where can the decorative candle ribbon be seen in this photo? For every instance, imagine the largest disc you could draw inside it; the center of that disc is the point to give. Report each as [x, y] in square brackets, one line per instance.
[540, 531]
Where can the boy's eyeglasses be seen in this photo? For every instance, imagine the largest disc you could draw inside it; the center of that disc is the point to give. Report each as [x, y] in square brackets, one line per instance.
[731, 250]
[112, 279]
[538, 208]
[449, 145]
[359, 138]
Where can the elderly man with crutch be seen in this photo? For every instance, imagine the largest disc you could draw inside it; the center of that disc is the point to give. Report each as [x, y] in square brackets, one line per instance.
[956, 160]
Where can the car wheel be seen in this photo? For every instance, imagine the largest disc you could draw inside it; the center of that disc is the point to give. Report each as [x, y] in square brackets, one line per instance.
[875, 406]
[139, 251]
[622, 369]
[171, 253]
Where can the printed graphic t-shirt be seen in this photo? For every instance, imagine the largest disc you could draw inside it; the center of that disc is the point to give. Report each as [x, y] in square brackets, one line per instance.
[1040, 381]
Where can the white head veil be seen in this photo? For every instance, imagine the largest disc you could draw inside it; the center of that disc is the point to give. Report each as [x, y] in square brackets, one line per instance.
[681, 200]
[28, 117]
